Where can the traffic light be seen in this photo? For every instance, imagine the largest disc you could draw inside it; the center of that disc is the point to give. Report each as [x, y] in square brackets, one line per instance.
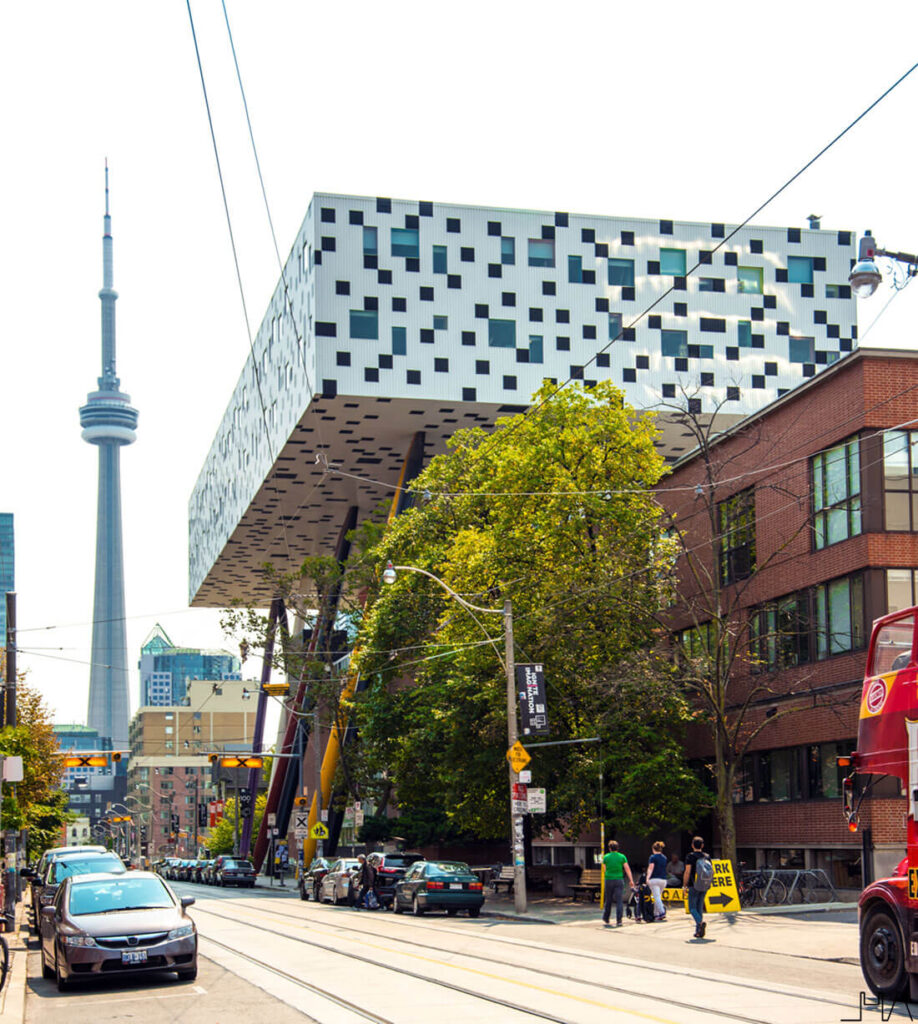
[175, 822]
[241, 761]
[213, 758]
[302, 801]
[276, 689]
[116, 755]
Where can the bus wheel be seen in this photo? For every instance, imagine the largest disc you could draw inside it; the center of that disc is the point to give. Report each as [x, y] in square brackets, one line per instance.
[883, 955]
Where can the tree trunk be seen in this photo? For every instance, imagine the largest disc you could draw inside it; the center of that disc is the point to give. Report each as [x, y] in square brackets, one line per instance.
[725, 771]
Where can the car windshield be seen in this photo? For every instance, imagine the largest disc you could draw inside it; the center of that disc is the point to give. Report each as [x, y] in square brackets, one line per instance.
[235, 863]
[393, 860]
[448, 867]
[65, 867]
[106, 896]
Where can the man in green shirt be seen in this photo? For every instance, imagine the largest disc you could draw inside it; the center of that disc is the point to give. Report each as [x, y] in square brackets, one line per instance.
[616, 868]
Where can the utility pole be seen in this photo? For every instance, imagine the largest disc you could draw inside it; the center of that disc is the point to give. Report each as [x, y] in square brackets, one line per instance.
[236, 814]
[197, 783]
[516, 820]
[317, 745]
[9, 703]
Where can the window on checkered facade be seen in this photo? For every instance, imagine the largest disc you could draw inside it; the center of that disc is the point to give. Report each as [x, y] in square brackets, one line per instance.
[370, 243]
[672, 262]
[404, 241]
[836, 494]
[541, 252]
[674, 343]
[364, 323]
[800, 269]
[502, 333]
[508, 251]
[439, 259]
[750, 280]
[621, 272]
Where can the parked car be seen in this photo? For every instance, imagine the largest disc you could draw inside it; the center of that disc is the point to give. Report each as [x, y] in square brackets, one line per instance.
[35, 876]
[79, 862]
[234, 871]
[442, 884]
[310, 880]
[104, 924]
[207, 868]
[335, 887]
[390, 869]
[167, 869]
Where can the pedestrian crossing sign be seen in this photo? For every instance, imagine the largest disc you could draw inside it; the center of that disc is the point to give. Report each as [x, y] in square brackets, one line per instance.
[318, 831]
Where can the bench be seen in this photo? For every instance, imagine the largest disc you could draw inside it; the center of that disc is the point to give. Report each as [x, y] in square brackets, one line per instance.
[589, 885]
[504, 878]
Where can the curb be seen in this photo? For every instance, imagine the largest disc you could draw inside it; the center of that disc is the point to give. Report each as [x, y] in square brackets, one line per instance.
[12, 998]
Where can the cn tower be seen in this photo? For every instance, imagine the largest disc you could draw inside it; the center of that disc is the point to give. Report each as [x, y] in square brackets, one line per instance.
[108, 422]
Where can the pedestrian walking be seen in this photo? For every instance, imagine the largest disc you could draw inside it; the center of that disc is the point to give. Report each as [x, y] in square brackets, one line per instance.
[696, 882]
[616, 868]
[656, 879]
[366, 879]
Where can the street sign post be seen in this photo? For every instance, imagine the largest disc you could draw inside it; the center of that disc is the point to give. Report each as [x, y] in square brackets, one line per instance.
[318, 831]
[536, 801]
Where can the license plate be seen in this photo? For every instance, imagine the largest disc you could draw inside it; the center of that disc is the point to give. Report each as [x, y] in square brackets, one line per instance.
[134, 956]
[455, 885]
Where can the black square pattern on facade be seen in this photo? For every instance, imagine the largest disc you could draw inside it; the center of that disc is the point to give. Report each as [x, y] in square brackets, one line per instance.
[399, 305]
[629, 376]
[413, 377]
[384, 277]
[669, 390]
[666, 227]
[467, 254]
[469, 394]
[642, 362]
[355, 217]
[468, 338]
[481, 311]
[342, 287]
[548, 288]
[654, 322]
[482, 366]
[411, 221]
[602, 250]
[548, 231]
[383, 205]
[509, 382]
[369, 262]
[453, 226]
[494, 228]
[453, 281]
[425, 209]
[508, 298]
[793, 234]
[329, 388]
[371, 374]
[413, 264]
[587, 235]
[627, 238]
[328, 215]
[602, 359]
[560, 220]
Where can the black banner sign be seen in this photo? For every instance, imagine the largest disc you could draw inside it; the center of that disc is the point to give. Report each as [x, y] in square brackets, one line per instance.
[245, 802]
[202, 815]
[530, 689]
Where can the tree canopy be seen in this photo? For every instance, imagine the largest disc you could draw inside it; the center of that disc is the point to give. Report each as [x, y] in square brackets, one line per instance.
[554, 511]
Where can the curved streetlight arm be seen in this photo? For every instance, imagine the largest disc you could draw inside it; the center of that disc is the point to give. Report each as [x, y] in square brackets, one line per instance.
[469, 607]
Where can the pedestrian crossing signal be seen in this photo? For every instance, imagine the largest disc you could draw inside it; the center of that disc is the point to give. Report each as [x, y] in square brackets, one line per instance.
[240, 761]
[86, 760]
[276, 689]
[302, 801]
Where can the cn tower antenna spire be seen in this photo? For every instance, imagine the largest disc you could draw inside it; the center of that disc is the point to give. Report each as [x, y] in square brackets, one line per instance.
[109, 421]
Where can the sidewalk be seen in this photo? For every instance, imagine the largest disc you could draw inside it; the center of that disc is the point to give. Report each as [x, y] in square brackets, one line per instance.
[542, 909]
[12, 998]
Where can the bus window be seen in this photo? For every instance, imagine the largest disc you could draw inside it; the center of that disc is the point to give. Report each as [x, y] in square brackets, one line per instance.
[893, 647]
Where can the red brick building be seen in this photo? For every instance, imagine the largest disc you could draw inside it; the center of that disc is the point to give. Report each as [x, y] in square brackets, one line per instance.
[805, 518]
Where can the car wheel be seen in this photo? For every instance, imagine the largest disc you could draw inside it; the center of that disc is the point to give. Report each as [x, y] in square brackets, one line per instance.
[46, 971]
[63, 984]
[396, 906]
[416, 907]
[188, 974]
[474, 911]
[883, 956]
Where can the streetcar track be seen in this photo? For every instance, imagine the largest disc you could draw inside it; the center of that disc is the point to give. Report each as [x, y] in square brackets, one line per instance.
[541, 971]
[744, 984]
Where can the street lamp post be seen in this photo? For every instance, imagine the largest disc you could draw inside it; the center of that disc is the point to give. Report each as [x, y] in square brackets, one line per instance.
[865, 275]
[516, 819]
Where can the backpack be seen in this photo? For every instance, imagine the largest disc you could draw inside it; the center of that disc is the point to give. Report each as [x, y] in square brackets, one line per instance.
[704, 874]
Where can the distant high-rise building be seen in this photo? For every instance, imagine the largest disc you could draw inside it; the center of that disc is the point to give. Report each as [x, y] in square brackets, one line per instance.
[166, 670]
[7, 568]
[108, 421]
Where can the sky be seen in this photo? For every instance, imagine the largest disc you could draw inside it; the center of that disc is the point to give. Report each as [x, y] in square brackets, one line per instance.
[689, 112]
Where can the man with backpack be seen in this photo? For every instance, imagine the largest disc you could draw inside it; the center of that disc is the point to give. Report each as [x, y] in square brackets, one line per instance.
[699, 875]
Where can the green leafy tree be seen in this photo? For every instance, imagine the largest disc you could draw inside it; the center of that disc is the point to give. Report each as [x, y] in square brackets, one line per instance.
[553, 510]
[223, 834]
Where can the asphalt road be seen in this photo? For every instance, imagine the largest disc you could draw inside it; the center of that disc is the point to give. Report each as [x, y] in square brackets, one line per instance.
[266, 956]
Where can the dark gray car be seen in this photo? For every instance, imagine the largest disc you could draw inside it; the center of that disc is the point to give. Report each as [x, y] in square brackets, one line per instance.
[76, 862]
[105, 924]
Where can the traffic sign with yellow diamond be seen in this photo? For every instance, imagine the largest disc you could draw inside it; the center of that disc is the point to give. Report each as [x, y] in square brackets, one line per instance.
[518, 757]
[318, 831]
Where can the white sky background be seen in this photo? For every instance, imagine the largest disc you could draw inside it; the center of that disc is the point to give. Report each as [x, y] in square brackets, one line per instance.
[691, 112]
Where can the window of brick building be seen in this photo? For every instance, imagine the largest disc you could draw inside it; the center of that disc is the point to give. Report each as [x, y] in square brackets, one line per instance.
[839, 616]
[836, 494]
[900, 479]
[736, 523]
[780, 633]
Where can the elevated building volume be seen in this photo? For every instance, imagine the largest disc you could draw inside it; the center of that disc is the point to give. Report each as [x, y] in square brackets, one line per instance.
[108, 422]
[397, 322]
[7, 567]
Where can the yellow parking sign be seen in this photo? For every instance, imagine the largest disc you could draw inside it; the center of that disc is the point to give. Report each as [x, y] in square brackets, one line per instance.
[722, 897]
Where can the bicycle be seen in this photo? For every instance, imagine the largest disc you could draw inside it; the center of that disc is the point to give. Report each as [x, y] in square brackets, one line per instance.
[754, 885]
[812, 887]
[5, 953]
